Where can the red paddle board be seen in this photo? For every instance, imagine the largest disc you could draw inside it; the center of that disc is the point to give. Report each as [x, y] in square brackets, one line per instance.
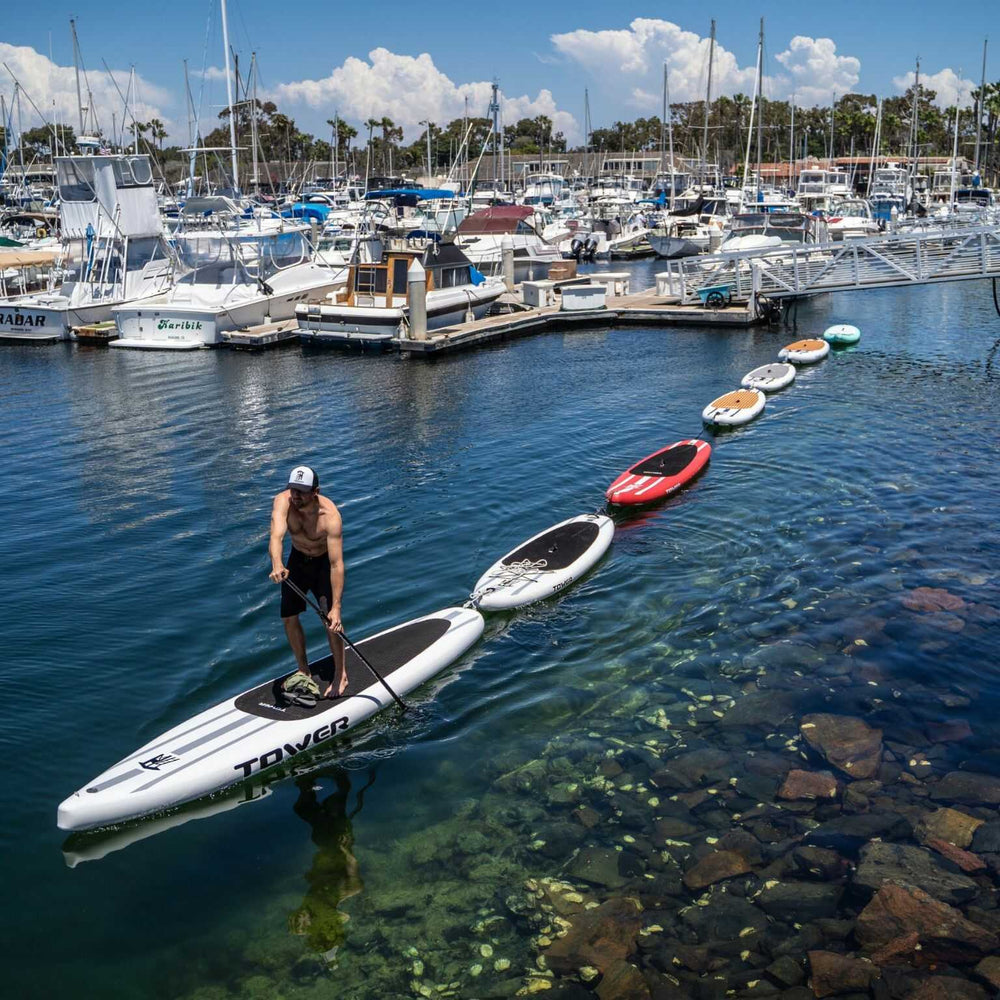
[661, 473]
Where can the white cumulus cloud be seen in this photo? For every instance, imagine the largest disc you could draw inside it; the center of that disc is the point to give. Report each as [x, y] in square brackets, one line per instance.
[411, 89]
[630, 62]
[53, 89]
[949, 87]
[815, 71]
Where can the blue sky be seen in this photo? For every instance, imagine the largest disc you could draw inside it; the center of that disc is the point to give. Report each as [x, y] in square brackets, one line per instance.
[314, 56]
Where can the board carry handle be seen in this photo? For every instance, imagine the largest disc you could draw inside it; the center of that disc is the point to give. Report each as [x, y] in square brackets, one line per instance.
[343, 635]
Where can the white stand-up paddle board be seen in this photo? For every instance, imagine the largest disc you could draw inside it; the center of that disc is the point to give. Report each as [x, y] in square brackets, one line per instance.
[244, 735]
[804, 352]
[545, 563]
[770, 378]
[734, 408]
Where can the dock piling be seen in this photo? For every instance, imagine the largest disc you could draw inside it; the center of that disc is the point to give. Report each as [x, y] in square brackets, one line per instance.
[416, 288]
[507, 259]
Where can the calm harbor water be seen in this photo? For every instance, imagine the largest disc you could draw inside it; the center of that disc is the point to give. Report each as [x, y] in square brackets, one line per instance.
[136, 491]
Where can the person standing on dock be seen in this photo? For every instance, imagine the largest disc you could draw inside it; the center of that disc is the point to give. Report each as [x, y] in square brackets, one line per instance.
[316, 563]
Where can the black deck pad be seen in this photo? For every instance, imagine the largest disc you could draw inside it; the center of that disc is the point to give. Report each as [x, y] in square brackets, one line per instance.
[386, 653]
[668, 462]
[560, 547]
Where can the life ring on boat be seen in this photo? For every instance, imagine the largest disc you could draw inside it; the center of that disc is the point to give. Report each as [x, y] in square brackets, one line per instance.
[41, 232]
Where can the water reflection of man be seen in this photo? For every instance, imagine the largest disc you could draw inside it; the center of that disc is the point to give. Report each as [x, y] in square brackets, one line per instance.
[335, 874]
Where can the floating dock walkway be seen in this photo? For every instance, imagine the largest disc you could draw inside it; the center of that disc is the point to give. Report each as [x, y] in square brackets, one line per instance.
[646, 308]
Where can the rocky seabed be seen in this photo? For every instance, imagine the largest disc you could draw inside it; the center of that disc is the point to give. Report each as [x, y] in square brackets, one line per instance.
[793, 823]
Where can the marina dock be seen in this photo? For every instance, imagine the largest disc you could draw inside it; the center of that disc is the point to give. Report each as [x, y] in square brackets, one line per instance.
[646, 308]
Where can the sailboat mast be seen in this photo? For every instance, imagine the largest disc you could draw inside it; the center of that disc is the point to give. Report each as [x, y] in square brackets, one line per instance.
[791, 146]
[229, 100]
[954, 161]
[670, 131]
[914, 145]
[979, 107]
[760, 113]
[192, 144]
[876, 141]
[76, 66]
[663, 117]
[753, 111]
[833, 106]
[708, 95]
[253, 123]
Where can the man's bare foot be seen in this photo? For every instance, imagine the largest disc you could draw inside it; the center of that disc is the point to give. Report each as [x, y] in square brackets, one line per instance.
[341, 688]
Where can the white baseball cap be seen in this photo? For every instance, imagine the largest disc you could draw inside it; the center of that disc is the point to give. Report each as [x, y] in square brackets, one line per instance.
[303, 478]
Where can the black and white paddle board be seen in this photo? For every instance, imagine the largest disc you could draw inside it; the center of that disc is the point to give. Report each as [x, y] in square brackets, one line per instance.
[544, 564]
[255, 730]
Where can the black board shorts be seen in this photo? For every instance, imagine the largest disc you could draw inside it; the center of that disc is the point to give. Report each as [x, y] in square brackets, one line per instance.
[308, 573]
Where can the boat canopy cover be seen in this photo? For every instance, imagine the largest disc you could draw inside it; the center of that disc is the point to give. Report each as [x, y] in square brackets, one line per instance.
[207, 205]
[496, 219]
[307, 210]
[420, 194]
[443, 255]
[27, 258]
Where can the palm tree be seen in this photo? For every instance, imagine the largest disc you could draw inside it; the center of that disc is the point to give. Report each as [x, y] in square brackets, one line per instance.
[388, 127]
[157, 131]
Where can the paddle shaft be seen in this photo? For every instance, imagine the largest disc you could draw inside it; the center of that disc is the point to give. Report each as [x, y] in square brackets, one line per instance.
[361, 656]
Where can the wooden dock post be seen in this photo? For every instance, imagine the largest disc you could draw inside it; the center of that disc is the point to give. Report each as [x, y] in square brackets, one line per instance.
[416, 294]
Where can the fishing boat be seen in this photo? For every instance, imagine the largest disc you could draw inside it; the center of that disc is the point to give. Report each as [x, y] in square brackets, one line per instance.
[112, 249]
[247, 273]
[375, 306]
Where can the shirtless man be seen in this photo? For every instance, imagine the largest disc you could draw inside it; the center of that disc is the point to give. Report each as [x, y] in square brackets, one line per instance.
[315, 563]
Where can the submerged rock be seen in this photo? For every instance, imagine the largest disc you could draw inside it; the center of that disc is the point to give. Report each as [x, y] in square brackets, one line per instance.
[967, 788]
[715, 867]
[799, 902]
[833, 974]
[724, 918]
[761, 708]
[623, 981]
[988, 970]
[597, 938]
[986, 839]
[808, 785]
[951, 825]
[848, 834]
[948, 988]
[599, 866]
[931, 599]
[848, 743]
[945, 935]
[912, 866]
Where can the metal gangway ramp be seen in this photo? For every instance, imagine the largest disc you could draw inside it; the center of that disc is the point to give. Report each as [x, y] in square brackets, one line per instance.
[913, 258]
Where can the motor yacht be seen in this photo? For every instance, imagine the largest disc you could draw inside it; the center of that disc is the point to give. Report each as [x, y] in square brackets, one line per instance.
[374, 308]
[247, 273]
[112, 249]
